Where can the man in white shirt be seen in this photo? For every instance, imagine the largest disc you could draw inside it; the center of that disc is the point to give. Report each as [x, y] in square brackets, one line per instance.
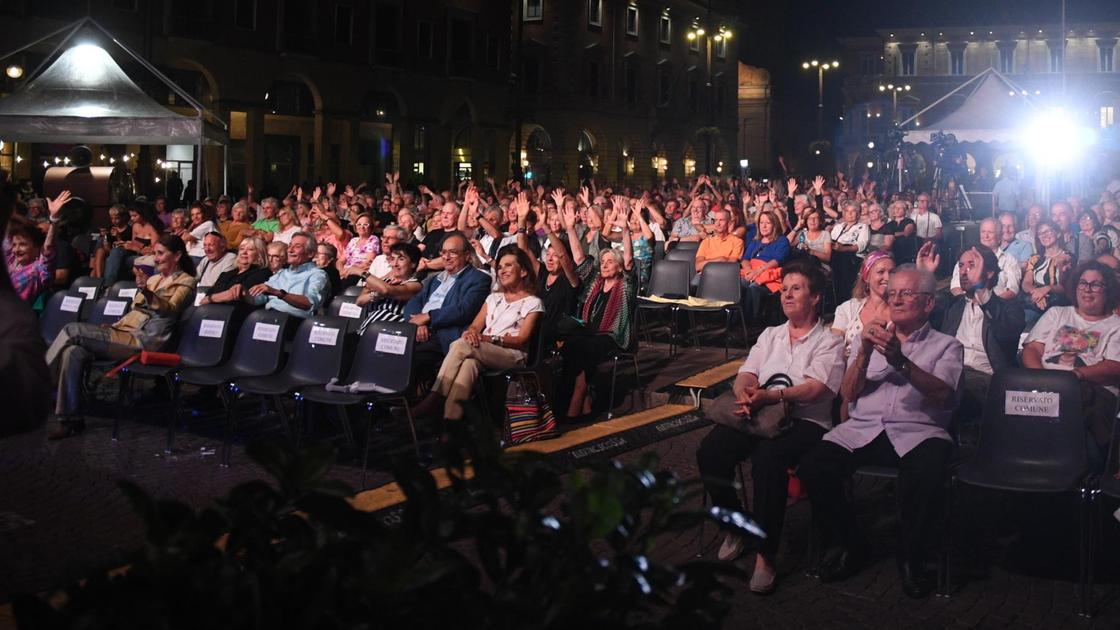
[216, 259]
[927, 224]
[391, 235]
[1010, 275]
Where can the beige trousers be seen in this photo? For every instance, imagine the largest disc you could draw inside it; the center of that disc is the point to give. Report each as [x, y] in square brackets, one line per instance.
[460, 370]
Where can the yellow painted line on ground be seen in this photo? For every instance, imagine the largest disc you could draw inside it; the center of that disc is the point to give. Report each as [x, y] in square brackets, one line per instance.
[391, 494]
[712, 376]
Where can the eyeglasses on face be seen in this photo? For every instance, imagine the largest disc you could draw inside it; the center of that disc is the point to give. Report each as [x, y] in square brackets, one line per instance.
[450, 252]
[1090, 287]
[906, 294]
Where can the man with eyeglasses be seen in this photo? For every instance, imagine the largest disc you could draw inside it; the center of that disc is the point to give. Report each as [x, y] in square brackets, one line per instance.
[900, 384]
[432, 244]
[927, 224]
[446, 304]
[986, 323]
[379, 267]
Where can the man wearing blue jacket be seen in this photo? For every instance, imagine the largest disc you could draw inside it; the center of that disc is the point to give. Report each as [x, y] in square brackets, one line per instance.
[447, 304]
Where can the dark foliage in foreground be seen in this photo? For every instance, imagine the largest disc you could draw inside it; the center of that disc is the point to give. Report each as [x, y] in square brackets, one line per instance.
[511, 544]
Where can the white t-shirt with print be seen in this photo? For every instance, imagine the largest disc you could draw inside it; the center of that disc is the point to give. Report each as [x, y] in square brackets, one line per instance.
[1072, 341]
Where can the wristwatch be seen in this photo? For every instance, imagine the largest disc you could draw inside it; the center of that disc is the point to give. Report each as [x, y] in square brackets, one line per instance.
[904, 367]
[283, 294]
[496, 340]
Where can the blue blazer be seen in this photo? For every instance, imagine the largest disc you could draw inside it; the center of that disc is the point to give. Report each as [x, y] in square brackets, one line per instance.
[460, 305]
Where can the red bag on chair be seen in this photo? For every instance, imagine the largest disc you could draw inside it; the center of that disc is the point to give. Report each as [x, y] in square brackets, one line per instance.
[145, 357]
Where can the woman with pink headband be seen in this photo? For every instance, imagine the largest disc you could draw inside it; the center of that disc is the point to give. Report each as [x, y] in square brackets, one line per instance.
[869, 298]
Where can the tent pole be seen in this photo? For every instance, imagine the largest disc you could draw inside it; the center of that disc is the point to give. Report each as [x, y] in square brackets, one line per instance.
[54, 52]
[225, 169]
[935, 103]
[75, 26]
[200, 176]
[162, 77]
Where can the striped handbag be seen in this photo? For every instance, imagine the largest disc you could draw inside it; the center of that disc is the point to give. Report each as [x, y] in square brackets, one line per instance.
[529, 417]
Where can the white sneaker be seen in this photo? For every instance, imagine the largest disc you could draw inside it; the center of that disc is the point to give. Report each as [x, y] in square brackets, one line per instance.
[731, 548]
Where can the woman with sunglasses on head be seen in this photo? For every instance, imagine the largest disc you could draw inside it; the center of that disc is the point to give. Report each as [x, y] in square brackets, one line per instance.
[1042, 280]
[156, 309]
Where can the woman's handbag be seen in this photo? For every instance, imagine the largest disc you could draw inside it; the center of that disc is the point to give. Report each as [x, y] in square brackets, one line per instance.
[529, 417]
[767, 422]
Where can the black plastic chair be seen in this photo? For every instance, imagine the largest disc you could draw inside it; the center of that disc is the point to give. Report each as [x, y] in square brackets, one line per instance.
[258, 351]
[346, 307]
[204, 343]
[123, 290]
[688, 256]
[1033, 453]
[108, 310]
[352, 291]
[385, 370]
[719, 281]
[669, 278]
[64, 307]
[630, 353]
[316, 358]
[88, 286]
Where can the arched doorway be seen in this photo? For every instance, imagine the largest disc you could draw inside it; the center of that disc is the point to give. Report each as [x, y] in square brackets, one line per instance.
[588, 159]
[689, 161]
[536, 159]
[462, 141]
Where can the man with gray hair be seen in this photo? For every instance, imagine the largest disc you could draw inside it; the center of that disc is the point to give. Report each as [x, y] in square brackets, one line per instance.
[391, 235]
[297, 289]
[267, 224]
[900, 384]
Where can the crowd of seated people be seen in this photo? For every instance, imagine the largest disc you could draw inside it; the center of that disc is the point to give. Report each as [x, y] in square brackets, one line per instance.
[482, 270]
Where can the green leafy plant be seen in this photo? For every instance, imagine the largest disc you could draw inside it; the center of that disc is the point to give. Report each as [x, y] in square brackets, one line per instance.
[512, 544]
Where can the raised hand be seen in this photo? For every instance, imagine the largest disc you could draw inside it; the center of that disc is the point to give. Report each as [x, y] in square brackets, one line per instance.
[558, 197]
[331, 187]
[584, 195]
[316, 193]
[928, 258]
[522, 207]
[818, 185]
[54, 206]
[569, 216]
[791, 186]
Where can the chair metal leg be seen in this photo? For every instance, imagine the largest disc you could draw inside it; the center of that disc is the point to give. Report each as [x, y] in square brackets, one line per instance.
[227, 439]
[743, 324]
[369, 438]
[122, 398]
[726, 333]
[344, 419]
[411, 426]
[614, 378]
[674, 312]
[1085, 561]
[173, 386]
[692, 328]
[285, 422]
[638, 389]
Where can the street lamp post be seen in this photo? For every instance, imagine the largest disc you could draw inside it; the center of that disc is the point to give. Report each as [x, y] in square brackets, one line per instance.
[820, 68]
[722, 34]
[895, 90]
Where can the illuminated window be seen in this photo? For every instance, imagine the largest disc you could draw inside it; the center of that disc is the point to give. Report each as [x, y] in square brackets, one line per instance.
[532, 10]
[631, 20]
[595, 12]
[665, 29]
[1108, 116]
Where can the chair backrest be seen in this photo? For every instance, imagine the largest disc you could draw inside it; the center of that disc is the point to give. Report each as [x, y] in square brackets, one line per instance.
[1033, 433]
[206, 336]
[658, 251]
[685, 246]
[384, 356]
[346, 307]
[687, 255]
[669, 277]
[63, 307]
[317, 349]
[88, 286]
[108, 310]
[354, 291]
[259, 348]
[123, 289]
[720, 281]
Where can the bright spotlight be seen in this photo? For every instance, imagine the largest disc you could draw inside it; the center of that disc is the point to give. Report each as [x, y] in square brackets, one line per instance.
[14, 71]
[1055, 138]
[870, 165]
[871, 145]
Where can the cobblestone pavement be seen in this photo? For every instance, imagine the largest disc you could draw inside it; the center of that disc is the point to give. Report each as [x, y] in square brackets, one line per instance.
[61, 516]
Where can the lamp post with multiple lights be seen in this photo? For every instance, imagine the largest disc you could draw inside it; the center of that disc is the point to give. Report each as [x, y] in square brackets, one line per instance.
[718, 35]
[820, 68]
[895, 90]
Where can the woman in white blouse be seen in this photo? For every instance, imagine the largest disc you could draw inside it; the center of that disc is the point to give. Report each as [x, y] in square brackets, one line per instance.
[497, 339]
[849, 241]
[287, 226]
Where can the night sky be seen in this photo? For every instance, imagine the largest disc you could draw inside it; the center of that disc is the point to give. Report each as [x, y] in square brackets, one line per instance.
[778, 36]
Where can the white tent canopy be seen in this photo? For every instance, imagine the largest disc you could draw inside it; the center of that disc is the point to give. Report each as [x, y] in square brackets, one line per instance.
[994, 110]
[84, 96]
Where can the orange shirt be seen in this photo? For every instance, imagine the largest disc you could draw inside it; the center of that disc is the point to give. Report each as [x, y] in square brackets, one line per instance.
[729, 246]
